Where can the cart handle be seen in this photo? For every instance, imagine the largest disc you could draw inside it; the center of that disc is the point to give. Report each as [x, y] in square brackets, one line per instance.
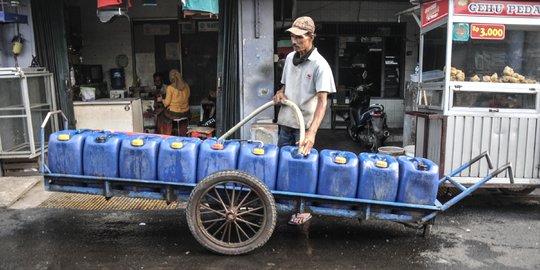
[471, 189]
[464, 166]
[297, 113]
[45, 121]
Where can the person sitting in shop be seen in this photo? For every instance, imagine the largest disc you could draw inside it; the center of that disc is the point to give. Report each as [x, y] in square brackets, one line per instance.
[159, 84]
[176, 106]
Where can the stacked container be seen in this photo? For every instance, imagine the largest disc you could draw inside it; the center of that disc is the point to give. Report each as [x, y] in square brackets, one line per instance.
[101, 154]
[138, 157]
[418, 180]
[296, 172]
[260, 160]
[216, 156]
[65, 151]
[378, 177]
[177, 161]
[338, 174]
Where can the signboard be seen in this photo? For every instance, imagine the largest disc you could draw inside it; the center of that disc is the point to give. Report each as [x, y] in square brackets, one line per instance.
[497, 8]
[208, 26]
[488, 31]
[460, 32]
[434, 11]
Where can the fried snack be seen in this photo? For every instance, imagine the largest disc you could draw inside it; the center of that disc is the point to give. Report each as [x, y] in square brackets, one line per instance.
[460, 76]
[508, 71]
[494, 77]
[475, 78]
[513, 80]
[486, 78]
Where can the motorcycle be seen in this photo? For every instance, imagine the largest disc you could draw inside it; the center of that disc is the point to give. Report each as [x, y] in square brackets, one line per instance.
[366, 122]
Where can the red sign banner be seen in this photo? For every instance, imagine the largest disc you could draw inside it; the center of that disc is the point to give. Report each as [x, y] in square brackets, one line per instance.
[488, 31]
[496, 8]
[434, 11]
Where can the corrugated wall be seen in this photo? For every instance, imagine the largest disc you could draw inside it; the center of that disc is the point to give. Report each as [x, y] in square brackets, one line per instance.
[508, 139]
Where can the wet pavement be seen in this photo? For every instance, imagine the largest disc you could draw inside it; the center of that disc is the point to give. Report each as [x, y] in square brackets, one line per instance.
[488, 230]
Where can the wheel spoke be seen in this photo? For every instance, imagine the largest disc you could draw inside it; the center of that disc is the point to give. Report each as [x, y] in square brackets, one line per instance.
[210, 227]
[213, 198]
[239, 193]
[220, 227]
[229, 233]
[225, 230]
[249, 224]
[242, 230]
[227, 193]
[251, 210]
[220, 200]
[232, 197]
[221, 213]
[238, 232]
[212, 220]
[252, 201]
[244, 199]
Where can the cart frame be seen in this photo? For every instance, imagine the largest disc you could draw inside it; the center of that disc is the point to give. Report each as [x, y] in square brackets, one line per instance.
[224, 195]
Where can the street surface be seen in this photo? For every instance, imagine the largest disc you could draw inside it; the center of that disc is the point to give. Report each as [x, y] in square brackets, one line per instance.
[487, 231]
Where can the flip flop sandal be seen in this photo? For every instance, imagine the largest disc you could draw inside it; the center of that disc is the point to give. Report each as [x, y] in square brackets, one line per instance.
[300, 218]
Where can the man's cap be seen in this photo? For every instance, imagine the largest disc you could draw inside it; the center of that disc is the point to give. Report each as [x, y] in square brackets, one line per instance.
[302, 25]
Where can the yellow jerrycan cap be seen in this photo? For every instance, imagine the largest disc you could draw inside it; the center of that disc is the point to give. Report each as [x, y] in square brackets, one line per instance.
[63, 137]
[340, 160]
[177, 145]
[381, 163]
[137, 142]
[258, 151]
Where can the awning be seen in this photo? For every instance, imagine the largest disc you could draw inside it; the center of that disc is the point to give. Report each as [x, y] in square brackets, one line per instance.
[200, 7]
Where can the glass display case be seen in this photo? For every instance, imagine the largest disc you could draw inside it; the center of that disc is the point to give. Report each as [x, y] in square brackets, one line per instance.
[478, 87]
[28, 95]
[494, 57]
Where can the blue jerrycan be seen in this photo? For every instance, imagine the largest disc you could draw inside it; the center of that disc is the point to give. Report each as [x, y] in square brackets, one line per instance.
[296, 172]
[102, 153]
[177, 161]
[138, 157]
[378, 177]
[260, 160]
[418, 180]
[216, 156]
[65, 151]
[338, 175]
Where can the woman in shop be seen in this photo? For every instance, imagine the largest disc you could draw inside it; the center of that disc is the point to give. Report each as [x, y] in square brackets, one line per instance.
[176, 106]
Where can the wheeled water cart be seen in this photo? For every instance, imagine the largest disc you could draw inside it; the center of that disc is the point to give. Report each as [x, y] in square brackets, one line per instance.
[232, 212]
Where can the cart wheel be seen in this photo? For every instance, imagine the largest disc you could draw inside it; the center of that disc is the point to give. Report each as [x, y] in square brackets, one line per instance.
[231, 213]
[517, 191]
[427, 230]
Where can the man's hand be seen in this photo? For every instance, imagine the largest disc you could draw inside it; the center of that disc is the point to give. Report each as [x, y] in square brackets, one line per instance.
[280, 95]
[308, 142]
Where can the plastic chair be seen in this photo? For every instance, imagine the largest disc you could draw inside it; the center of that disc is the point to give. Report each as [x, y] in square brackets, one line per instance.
[178, 120]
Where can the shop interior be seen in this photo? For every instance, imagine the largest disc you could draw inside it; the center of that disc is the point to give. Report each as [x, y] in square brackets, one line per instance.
[157, 45]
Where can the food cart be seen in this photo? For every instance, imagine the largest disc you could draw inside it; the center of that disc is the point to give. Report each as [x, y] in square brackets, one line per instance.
[477, 88]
